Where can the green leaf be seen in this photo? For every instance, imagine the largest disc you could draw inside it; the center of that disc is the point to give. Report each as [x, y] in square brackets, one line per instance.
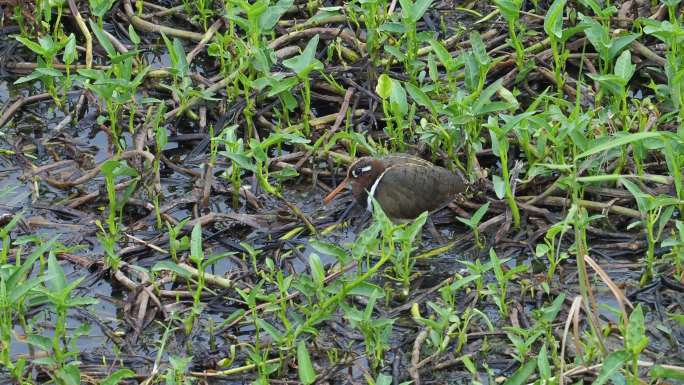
[241, 160]
[609, 144]
[485, 97]
[28, 78]
[522, 374]
[45, 361]
[135, 39]
[182, 65]
[173, 55]
[331, 249]
[41, 342]
[17, 292]
[103, 39]
[116, 377]
[281, 137]
[477, 217]
[307, 375]
[317, 270]
[56, 281]
[324, 13]
[384, 86]
[664, 219]
[508, 96]
[70, 53]
[594, 5]
[305, 62]
[611, 365]
[618, 44]
[624, 67]
[659, 371]
[543, 363]
[48, 71]
[125, 59]
[383, 379]
[510, 9]
[469, 364]
[19, 274]
[273, 13]
[553, 22]
[612, 83]
[49, 45]
[258, 150]
[233, 316]
[398, 100]
[418, 9]
[442, 54]
[597, 34]
[397, 28]
[380, 216]
[196, 252]
[420, 97]
[663, 30]
[413, 230]
[672, 3]
[395, 51]
[406, 8]
[366, 289]
[466, 221]
[640, 197]
[287, 172]
[572, 31]
[70, 374]
[478, 48]
[282, 86]
[172, 266]
[494, 135]
[499, 186]
[636, 339]
[271, 330]
[496, 265]
[490, 107]
[91, 73]
[116, 168]
[100, 7]
[432, 68]
[464, 281]
[33, 46]
[550, 313]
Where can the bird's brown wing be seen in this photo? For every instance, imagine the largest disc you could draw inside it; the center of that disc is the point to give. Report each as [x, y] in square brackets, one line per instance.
[406, 190]
[400, 158]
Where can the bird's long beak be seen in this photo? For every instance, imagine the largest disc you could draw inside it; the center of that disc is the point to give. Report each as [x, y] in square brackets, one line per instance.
[336, 191]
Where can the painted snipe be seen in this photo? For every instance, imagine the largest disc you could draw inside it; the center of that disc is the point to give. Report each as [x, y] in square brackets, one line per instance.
[404, 185]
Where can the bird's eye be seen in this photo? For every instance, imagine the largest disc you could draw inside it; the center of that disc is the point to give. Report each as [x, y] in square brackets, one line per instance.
[360, 170]
[356, 172]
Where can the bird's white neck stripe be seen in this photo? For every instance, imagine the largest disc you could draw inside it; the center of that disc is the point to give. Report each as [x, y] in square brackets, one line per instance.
[371, 193]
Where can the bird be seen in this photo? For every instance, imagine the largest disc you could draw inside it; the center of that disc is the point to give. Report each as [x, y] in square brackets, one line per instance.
[404, 185]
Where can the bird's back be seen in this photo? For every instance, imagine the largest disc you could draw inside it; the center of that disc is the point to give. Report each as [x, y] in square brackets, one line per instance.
[399, 159]
[411, 185]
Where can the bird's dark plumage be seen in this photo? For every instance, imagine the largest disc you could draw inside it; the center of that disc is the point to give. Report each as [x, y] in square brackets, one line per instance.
[404, 185]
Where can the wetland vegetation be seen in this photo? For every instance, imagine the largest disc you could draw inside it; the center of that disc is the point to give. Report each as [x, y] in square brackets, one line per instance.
[164, 164]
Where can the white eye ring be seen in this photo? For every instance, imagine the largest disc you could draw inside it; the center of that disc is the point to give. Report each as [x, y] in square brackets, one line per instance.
[354, 173]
